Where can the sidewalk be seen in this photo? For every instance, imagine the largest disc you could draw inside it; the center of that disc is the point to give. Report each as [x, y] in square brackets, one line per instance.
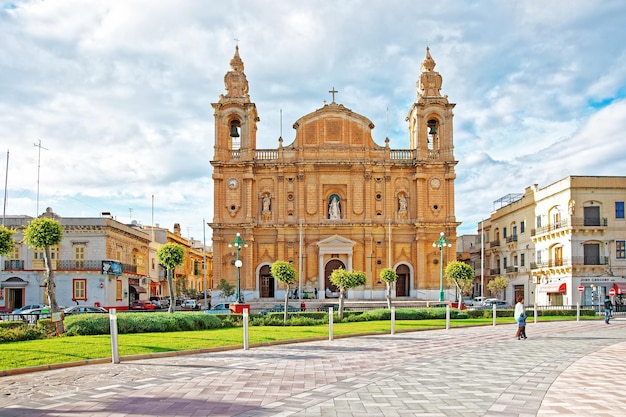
[564, 368]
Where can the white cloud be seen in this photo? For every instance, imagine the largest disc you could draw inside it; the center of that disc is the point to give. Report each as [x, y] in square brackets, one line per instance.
[120, 92]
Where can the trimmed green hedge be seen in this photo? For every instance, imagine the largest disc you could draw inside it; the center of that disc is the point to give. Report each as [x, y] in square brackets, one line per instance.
[17, 331]
[94, 324]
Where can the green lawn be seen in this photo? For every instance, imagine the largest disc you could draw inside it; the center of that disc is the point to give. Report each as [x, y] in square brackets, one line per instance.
[80, 348]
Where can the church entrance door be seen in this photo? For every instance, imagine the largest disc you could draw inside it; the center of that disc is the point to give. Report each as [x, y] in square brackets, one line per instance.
[267, 282]
[402, 284]
[330, 267]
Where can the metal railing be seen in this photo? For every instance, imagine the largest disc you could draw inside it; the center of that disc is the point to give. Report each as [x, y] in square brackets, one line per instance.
[13, 265]
[67, 265]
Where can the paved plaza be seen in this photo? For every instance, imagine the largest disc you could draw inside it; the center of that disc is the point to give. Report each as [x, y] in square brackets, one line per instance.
[563, 368]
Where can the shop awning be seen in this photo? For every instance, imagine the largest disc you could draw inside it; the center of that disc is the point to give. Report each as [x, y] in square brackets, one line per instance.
[620, 287]
[553, 287]
[140, 290]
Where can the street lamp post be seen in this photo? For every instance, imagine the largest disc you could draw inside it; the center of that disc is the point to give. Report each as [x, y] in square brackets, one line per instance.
[441, 243]
[238, 243]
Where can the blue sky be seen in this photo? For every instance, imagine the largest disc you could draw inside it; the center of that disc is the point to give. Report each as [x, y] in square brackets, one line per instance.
[119, 92]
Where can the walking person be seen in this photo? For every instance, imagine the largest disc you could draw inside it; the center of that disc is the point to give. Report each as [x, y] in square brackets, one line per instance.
[520, 318]
[608, 309]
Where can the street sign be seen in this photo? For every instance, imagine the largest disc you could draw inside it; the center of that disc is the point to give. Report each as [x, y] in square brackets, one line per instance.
[581, 288]
[612, 292]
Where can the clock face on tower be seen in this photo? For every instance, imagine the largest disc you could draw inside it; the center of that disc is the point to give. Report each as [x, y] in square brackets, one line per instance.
[233, 183]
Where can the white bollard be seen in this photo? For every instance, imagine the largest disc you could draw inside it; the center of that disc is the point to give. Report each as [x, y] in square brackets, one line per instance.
[330, 324]
[448, 317]
[393, 320]
[577, 311]
[494, 314]
[245, 329]
[115, 354]
[535, 312]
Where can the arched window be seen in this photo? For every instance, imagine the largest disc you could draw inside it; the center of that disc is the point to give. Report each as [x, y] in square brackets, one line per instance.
[235, 135]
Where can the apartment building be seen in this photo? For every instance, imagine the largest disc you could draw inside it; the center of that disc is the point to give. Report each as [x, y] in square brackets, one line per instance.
[189, 277]
[562, 244]
[100, 261]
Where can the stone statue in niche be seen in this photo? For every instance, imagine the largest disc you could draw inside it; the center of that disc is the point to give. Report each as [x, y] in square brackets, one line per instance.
[266, 207]
[334, 210]
[402, 206]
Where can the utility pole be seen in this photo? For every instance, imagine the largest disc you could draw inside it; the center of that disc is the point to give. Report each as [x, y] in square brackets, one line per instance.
[38, 145]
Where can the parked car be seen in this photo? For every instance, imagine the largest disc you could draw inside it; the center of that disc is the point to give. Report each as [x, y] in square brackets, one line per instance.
[28, 307]
[32, 315]
[478, 301]
[468, 301]
[490, 302]
[190, 305]
[84, 309]
[142, 305]
[160, 302]
[279, 308]
[221, 306]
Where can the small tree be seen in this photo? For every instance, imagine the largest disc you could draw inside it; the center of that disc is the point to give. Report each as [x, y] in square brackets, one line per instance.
[344, 280]
[171, 255]
[226, 289]
[389, 276]
[6, 244]
[6, 240]
[462, 275]
[284, 272]
[41, 233]
[498, 284]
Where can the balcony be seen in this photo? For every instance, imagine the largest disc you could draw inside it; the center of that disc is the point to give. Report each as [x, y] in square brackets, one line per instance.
[590, 260]
[511, 269]
[494, 271]
[590, 221]
[552, 263]
[511, 239]
[550, 228]
[574, 261]
[66, 265]
[14, 265]
[494, 243]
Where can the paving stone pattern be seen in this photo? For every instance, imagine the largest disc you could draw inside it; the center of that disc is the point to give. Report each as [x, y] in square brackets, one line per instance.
[563, 368]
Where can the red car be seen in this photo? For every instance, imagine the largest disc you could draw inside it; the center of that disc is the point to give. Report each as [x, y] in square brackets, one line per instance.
[142, 305]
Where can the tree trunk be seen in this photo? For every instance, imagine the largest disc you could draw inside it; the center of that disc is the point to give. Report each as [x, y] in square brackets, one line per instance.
[51, 287]
[341, 292]
[170, 283]
[286, 304]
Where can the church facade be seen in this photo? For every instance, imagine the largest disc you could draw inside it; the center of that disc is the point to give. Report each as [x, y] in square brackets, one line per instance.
[333, 198]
